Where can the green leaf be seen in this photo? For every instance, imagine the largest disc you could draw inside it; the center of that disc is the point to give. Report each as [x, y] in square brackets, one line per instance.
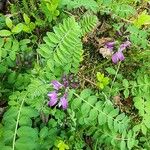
[25, 143]
[6, 148]
[123, 145]
[93, 114]
[85, 108]
[30, 112]
[17, 29]
[9, 22]
[125, 83]
[1, 42]
[142, 19]
[92, 99]
[26, 28]
[12, 55]
[15, 46]
[76, 103]
[114, 113]
[85, 93]
[25, 121]
[26, 131]
[144, 129]
[26, 18]
[126, 93]
[102, 118]
[2, 68]
[8, 135]
[62, 146]
[111, 71]
[44, 132]
[5, 33]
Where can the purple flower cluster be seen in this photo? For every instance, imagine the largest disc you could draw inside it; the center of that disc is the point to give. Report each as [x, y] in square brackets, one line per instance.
[69, 82]
[53, 96]
[118, 56]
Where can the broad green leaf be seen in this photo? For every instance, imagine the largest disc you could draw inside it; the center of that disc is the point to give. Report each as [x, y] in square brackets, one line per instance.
[85, 108]
[125, 83]
[26, 29]
[85, 93]
[114, 113]
[126, 93]
[17, 29]
[111, 70]
[139, 104]
[9, 22]
[26, 18]
[144, 129]
[110, 123]
[32, 26]
[26, 131]
[25, 121]
[25, 143]
[92, 99]
[8, 136]
[1, 42]
[8, 44]
[15, 46]
[142, 19]
[93, 114]
[12, 55]
[123, 145]
[76, 103]
[62, 146]
[102, 118]
[6, 147]
[5, 33]
[44, 132]
[30, 112]
[3, 68]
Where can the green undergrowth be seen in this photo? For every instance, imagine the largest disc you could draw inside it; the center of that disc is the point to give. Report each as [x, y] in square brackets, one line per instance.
[65, 85]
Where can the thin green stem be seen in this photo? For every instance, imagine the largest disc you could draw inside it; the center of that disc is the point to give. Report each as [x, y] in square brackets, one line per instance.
[17, 122]
[114, 78]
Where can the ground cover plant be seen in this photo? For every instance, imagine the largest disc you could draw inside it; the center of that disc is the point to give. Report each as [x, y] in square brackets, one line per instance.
[75, 74]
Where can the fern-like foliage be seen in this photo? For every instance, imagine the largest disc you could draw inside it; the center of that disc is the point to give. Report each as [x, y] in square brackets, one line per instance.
[104, 122]
[63, 47]
[88, 4]
[138, 37]
[141, 93]
[88, 23]
[41, 10]
[123, 10]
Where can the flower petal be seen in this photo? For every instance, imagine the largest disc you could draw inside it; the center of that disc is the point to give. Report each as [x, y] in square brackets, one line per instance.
[120, 56]
[64, 101]
[56, 85]
[124, 45]
[115, 58]
[110, 45]
[53, 98]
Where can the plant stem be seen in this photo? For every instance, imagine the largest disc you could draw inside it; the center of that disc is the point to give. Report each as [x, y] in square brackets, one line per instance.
[17, 122]
[114, 78]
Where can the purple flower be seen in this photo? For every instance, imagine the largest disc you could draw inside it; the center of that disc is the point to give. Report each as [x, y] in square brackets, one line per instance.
[118, 56]
[65, 81]
[64, 101]
[57, 85]
[124, 45]
[52, 98]
[110, 45]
